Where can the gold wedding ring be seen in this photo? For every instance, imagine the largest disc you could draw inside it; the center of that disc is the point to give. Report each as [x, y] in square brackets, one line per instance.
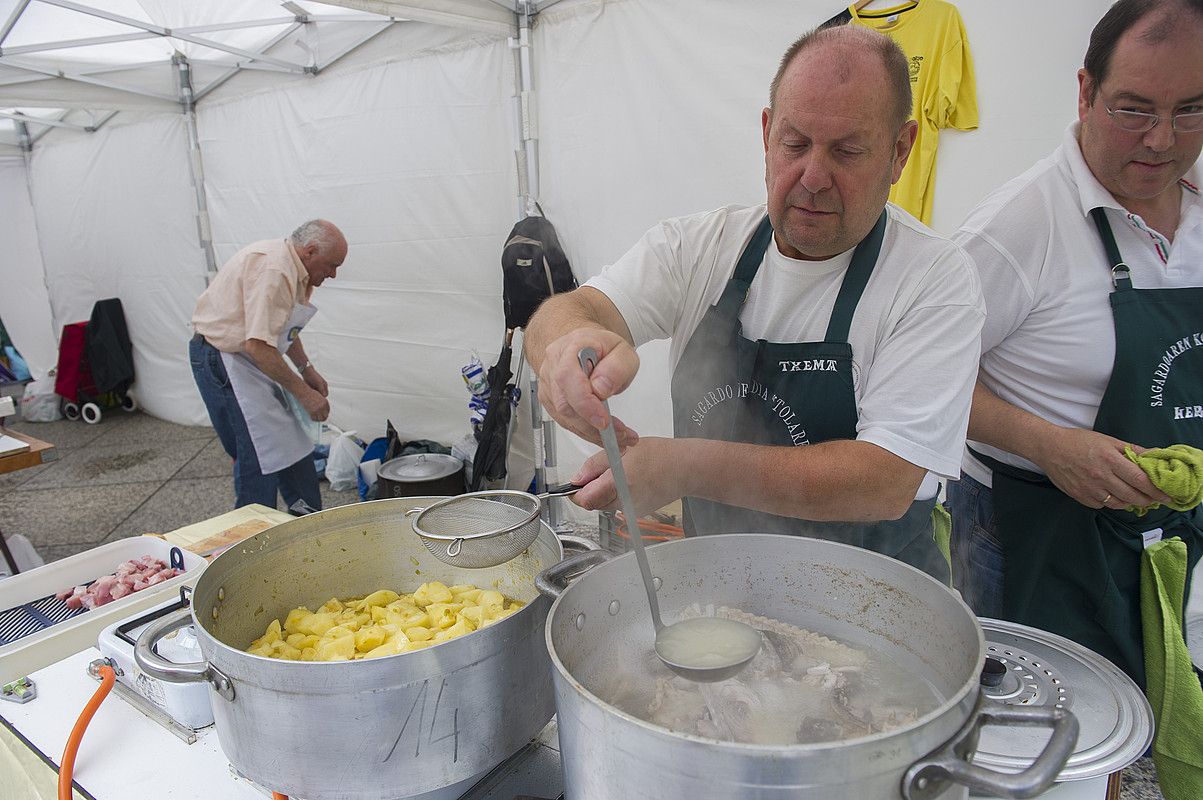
[1108, 497]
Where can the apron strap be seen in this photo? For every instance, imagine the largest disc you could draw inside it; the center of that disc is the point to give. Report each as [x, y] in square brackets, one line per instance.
[736, 290]
[864, 258]
[1121, 275]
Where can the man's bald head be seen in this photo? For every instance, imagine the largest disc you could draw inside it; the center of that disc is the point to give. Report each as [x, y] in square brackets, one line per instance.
[836, 43]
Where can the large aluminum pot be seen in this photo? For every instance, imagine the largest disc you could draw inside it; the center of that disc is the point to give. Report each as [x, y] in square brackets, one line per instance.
[425, 724]
[600, 624]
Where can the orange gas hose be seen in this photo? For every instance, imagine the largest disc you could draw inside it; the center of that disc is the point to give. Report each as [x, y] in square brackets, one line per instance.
[652, 531]
[107, 677]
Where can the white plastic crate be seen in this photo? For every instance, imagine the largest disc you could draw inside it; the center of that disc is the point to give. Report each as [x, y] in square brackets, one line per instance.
[73, 634]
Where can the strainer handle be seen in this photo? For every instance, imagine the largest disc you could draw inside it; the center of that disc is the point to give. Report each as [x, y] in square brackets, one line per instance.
[454, 548]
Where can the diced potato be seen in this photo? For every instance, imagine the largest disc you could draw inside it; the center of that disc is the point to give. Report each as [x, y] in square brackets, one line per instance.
[458, 629]
[419, 634]
[380, 598]
[386, 649]
[442, 615]
[294, 618]
[340, 649]
[369, 638]
[316, 624]
[491, 598]
[333, 604]
[433, 592]
[289, 652]
[273, 631]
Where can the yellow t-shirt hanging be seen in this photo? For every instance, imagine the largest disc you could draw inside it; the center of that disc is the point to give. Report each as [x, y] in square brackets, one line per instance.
[932, 35]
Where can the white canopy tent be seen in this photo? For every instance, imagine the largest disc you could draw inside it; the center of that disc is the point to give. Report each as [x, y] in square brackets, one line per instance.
[413, 124]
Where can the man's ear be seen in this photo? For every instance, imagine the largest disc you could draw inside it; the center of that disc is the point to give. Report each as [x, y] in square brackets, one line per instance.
[1087, 88]
[903, 147]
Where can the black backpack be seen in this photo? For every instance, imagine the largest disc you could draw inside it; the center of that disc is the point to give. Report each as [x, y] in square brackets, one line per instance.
[533, 267]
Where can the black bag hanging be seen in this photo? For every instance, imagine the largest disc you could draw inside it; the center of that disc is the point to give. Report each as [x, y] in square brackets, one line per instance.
[533, 267]
[109, 351]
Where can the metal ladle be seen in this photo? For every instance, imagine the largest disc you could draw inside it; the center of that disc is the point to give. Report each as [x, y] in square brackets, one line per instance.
[743, 640]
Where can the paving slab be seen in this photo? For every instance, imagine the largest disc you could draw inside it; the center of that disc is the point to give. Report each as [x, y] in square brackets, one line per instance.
[178, 503]
[211, 462]
[122, 426]
[15, 480]
[63, 434]
[131, 460]
[55, 516]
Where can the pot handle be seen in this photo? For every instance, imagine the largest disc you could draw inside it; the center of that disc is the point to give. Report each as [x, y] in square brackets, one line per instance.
[555, 579]
[580, 542]
[156, 666]
[929, 776]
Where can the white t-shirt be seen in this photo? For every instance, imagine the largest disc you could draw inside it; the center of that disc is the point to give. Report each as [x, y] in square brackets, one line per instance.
[914, 336]
[1049, 340]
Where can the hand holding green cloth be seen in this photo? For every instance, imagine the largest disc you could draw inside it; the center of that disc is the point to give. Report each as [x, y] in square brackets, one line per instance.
[1176, 470]
[1173, 688]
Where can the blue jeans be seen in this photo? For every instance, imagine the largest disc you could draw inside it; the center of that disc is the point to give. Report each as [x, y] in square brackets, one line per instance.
[296, 482]
[977, 557]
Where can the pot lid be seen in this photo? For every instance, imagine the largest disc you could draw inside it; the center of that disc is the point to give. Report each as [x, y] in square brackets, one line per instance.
[417, 467]
[1116, 722]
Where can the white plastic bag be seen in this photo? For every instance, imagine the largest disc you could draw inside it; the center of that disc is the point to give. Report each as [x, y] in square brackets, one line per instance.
[40, 403]
[343, 466]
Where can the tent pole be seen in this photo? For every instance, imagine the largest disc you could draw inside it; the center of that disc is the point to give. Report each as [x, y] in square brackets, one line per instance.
[26, 143]
[196, 168]
[526, 120]
[17, 11]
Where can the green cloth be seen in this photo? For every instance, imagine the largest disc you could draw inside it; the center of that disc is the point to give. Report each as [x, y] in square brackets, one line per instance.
[1173, 687]
[941, 531]
[1176, 470]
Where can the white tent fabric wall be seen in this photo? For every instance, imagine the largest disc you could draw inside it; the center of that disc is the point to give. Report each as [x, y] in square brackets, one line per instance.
[116, 218]
[24, 302]
[651, 109]
[413, 159]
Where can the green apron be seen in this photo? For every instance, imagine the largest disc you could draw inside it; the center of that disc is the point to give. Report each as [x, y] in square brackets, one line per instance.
[729, 388]
[1075, 570]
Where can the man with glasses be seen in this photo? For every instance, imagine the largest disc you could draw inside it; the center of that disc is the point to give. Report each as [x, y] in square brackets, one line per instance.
[1092, 267]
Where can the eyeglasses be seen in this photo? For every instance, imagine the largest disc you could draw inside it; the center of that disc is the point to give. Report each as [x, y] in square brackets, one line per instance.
[1140, 122]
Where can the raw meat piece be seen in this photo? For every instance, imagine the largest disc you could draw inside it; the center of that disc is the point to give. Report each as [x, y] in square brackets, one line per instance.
[129, 577]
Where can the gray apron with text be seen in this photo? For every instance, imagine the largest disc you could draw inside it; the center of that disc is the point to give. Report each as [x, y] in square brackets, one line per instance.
[729, 388]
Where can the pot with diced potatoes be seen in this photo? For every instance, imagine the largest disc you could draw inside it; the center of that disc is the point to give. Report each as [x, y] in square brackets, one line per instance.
[345, 661]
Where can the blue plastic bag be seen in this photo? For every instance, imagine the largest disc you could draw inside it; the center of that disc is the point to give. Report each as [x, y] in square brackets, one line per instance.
[17, 364]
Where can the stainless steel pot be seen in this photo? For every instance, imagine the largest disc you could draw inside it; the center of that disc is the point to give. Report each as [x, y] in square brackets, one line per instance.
[600, 623]
[425, 724]
[420, 474]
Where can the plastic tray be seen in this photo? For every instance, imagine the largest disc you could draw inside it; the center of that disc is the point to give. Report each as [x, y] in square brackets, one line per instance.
[60, 631]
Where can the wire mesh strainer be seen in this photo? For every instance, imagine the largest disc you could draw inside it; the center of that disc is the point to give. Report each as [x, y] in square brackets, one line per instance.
[481, 529]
